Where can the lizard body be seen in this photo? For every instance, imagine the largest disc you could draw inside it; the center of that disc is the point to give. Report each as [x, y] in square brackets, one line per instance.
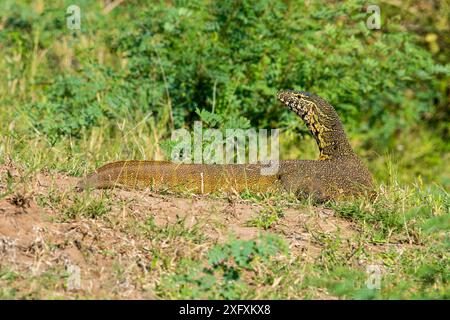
[338, 172]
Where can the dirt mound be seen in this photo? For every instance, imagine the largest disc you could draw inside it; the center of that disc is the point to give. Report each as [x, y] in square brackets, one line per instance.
[37, 237]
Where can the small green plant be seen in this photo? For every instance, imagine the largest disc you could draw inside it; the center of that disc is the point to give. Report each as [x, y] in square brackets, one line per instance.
[170, 231]
[87, 207]
[267, 217]
[73, 206]
[227, 266]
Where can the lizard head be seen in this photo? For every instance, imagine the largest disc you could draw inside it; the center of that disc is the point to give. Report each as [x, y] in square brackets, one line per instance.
[301, 102]
[322, 121]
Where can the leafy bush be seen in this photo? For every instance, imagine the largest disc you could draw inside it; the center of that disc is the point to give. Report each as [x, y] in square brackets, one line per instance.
[223, 63]
[232, 57]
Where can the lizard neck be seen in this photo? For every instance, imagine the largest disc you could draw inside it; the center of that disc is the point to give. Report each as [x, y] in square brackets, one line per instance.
[332, 141]
[324, 124]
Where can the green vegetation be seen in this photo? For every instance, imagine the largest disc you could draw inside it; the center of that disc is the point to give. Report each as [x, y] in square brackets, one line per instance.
[226, 266]
[128, 77]
[71, 100]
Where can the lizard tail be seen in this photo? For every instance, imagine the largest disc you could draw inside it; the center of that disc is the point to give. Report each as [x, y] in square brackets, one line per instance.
[196, 178]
